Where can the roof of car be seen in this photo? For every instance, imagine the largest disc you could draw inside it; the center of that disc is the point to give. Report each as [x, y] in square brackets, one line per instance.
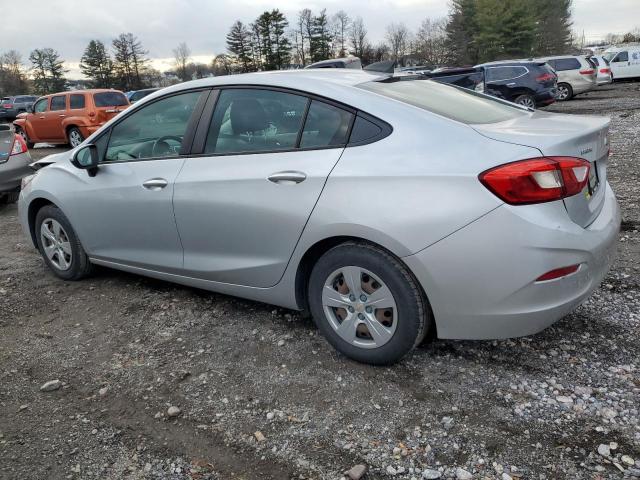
[89, 90]
[303, 79]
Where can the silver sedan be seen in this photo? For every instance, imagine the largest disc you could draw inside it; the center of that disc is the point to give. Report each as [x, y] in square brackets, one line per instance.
[14, 164]
[389, 208]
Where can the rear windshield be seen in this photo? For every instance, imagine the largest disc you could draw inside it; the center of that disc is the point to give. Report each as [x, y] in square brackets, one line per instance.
[110, 99]
[452, 102]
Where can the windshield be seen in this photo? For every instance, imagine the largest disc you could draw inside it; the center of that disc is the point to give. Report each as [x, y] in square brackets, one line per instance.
[452, 102]
[608, 56]
[110, 99]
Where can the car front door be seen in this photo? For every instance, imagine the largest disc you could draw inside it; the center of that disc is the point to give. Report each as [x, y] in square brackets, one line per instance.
[124, 214]
[620, 65]
[37, 119]
[242, 203]
[51, 125]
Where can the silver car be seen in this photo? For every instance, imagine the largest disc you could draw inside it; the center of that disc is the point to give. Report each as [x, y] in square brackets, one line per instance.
[575, 75]
[391, 209]
[14, 164]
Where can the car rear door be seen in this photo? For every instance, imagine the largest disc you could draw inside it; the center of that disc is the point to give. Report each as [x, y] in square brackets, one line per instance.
[124, 214]
[257, 169]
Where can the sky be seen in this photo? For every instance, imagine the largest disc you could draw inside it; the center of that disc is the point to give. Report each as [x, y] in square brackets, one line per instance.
[68, 25]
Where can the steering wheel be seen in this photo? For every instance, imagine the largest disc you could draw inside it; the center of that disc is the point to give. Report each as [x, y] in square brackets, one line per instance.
[163, 140]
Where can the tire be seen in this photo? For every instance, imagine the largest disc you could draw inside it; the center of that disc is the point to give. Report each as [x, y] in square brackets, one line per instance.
[75, 137]
[24, 135]
[78, 262]
[565, 92]
[404, 325]
[526, 100]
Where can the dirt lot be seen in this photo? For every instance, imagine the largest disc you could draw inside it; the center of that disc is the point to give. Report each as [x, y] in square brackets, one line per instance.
[563, 404]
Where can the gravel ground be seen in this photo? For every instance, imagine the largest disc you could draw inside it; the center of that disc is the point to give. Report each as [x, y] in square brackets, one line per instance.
[161, 381]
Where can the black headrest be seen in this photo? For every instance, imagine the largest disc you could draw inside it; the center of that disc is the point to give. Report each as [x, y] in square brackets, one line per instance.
[247, 115]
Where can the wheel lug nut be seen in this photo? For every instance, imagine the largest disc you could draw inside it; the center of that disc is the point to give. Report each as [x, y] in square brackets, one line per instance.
[363, 298]
[361, 316]
[351, 309]
[369, 309]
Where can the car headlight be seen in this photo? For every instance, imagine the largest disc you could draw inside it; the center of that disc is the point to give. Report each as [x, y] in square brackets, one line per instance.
[27, 180]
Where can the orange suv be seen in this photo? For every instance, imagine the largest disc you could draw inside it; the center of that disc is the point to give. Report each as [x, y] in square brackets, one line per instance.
[69, 117]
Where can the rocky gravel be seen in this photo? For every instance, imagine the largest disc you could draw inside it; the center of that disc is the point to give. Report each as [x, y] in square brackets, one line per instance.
[121, 376]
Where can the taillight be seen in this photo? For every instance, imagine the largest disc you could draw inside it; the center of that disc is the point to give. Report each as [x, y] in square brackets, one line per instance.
[7, 105]
[605, 70]
[537, 180]
[589, 71]
[19, 145]
[545, 77]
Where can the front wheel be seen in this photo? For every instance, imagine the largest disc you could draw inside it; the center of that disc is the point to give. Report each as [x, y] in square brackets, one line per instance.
[367, 304]
[526, 100]
[565, 92]
[75, 137]
[59, 244]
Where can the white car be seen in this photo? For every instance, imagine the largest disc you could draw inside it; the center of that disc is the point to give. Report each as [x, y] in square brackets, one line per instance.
[623, 61]
[602, 68]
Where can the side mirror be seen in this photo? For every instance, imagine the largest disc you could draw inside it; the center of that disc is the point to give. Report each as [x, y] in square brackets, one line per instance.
[86, 158]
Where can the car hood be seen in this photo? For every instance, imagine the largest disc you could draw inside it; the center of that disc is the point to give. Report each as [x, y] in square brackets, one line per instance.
[49, 159]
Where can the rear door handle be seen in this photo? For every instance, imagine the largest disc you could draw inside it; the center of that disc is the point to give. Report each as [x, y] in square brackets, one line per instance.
[289, 176]
[155, 184]
[62, 115]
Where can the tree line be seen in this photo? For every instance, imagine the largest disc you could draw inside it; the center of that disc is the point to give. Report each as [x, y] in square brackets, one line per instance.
[475, 31]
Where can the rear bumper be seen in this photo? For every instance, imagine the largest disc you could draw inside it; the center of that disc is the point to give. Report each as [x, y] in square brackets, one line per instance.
[13, 170]
[481, 280]
[546, 97]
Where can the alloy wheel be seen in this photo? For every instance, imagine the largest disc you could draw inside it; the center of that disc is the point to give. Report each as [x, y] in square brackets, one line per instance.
[75, 138]
[563, 93]
[527, 102]
[359, 307]
[56, 244]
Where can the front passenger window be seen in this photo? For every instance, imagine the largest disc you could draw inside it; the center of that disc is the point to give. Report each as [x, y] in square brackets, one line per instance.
[154, 131]
[622, 57]
[41, 105]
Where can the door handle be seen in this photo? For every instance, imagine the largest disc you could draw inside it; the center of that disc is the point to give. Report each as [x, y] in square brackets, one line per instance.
[289, 176]
[41, 118]
[62, 115]
[155, 184]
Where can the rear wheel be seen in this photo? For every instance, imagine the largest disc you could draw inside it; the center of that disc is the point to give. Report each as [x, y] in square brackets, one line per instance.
[75, 137]
[565, 92]
[526, 100]
[367, 304]
[25, 137]
[59, 245]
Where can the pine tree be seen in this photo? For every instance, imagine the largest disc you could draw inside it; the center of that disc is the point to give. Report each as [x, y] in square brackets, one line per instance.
[505, 29]
[96, 65]
[553, 27]
[461, 32]
[48, 70]
[239, 43]
[275, 47]
[130, 61]
[321, 38]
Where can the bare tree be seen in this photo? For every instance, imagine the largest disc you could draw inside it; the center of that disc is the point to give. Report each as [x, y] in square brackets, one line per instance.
[341, 23]
[430, 43]
[182, 56]
[302, 35]
[358, 37]
[398, 39]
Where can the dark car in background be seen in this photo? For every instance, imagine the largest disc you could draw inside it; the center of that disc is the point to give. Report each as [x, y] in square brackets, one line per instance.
[135, 95]
[529, 83]
[10, 107]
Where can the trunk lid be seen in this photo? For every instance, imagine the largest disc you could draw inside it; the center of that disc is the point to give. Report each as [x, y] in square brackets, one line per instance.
[554, 134]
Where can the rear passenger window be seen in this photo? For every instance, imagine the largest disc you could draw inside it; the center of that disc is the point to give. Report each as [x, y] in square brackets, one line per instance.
[325, 126]
[58, 103]
[363, 131]
[76, 101]
[563, 64]
[252, 120]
